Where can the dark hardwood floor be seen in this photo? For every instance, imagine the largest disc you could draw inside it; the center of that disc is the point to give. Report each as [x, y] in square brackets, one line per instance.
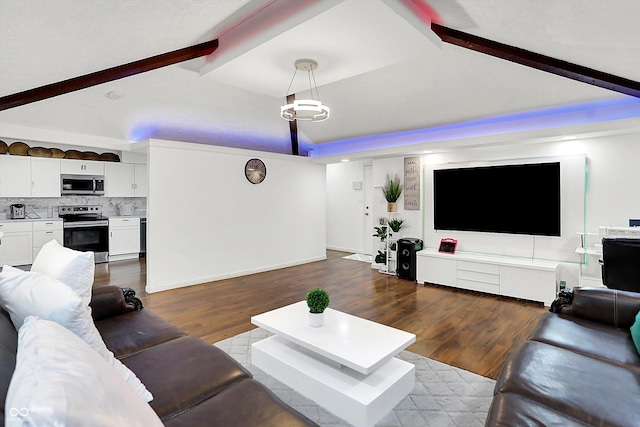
[469, 330]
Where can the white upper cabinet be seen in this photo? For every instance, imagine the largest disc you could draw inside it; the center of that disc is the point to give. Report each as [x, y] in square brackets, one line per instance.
[141, 180]
[22, 176]
[118, 179]
[15, 176]
[45, 177]
[125, 180]
[82, 167]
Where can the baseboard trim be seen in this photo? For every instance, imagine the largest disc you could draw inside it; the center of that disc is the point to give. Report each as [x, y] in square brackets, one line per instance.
[343, 249]
[183, 284]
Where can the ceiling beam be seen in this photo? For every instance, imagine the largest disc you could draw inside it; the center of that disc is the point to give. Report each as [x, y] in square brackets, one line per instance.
[538, 61]
[293, 128]
[108, 75]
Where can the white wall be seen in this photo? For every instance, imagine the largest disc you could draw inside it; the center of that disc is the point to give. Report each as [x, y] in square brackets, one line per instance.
[412, 226]
[610, 190]
[345, 207]
[572, 200]
[612, 180]
[207, 222]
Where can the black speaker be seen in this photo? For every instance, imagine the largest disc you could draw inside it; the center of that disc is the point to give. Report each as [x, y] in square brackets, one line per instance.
[407, 248]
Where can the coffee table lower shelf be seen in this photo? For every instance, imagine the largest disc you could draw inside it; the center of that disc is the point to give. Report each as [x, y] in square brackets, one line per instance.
[359, 399]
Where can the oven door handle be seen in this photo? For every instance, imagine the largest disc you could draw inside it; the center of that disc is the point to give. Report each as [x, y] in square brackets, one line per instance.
[85, 224]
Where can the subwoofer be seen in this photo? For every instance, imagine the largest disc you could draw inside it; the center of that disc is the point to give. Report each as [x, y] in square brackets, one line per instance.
[407, 248]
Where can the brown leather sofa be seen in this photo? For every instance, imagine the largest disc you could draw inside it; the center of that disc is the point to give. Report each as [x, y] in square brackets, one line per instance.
[193, 382]
[578, 368]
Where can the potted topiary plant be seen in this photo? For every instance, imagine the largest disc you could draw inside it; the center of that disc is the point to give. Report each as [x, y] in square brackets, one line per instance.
[395, 224]
[318, 301]
[392, 189]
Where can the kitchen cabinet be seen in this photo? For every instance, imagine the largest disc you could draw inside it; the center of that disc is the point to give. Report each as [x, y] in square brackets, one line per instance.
[15, 176]
[16, 243]
[124, 238]
[44, 232]
[22, 176]
[140, 180]
[45, 177]
[81, 167]
[125, 180]
[118, 180]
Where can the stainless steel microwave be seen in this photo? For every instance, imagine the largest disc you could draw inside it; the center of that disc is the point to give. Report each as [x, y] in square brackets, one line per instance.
[91, 185]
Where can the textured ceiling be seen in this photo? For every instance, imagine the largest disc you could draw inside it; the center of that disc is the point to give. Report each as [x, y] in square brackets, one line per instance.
[378, 73]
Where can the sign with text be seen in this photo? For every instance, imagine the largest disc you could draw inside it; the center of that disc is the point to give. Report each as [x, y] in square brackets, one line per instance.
[412, 183]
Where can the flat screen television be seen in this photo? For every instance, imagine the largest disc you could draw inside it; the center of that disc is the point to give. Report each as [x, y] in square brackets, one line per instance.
[514, 199]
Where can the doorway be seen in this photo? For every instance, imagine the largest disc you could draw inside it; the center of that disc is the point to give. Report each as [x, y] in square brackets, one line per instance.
[368, 210]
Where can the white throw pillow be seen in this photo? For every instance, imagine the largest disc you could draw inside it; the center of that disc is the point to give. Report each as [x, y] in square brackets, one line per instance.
[73, 268]
[34, 294]
[60, 381]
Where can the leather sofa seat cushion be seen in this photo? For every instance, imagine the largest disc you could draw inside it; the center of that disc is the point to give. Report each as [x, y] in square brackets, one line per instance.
[8, 348]
[578, 386]
[514, 410]
[230, 409]
[612, 345]
[204, 371]
[132, 332]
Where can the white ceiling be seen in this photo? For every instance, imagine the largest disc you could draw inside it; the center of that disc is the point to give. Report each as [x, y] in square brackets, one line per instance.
[377, 72]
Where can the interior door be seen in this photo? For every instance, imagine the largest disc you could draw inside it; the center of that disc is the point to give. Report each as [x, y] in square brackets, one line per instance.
[368, 210]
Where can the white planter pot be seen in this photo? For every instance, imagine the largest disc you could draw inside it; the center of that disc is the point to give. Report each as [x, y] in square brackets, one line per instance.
[316, 319]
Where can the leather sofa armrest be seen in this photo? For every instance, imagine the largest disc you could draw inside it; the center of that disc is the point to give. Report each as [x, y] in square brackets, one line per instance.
[603, 305]
[109, 301]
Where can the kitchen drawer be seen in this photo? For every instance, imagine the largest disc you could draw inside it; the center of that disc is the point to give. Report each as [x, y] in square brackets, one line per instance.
[47, 225]
[479, 267]
[16, 227]
[44, 236]
[124, 222]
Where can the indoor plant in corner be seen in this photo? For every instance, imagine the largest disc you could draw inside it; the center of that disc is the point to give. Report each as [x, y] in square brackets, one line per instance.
[395, 224]
[318, 301]
[392, 189]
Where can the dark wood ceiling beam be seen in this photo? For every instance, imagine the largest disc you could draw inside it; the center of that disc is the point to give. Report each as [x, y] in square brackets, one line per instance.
[108, 75]
[538, 61]
[293, 128]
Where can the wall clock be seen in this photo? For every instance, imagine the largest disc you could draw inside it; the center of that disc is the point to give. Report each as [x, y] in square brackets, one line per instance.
[255, 171]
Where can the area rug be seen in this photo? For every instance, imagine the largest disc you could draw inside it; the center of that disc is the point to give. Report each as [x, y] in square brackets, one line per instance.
[359, 257]
[443, 396]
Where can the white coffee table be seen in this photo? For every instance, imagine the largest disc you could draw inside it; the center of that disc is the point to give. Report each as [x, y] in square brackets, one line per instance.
[347, 365]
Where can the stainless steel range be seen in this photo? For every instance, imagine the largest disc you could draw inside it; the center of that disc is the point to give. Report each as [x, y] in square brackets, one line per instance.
[85, 229]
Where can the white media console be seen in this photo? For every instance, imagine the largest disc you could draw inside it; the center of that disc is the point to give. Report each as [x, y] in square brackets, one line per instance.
[529, 279]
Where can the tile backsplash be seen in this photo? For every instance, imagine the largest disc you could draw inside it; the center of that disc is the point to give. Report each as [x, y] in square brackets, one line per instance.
[36, 208]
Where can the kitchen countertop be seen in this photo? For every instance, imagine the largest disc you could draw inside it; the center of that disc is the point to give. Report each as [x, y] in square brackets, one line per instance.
[30, 220]
[134, 215]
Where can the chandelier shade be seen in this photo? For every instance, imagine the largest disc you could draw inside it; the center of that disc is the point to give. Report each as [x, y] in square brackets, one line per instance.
[305, 109]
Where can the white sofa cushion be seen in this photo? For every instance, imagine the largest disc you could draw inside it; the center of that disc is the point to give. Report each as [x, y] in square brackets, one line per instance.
[60, 381]
[34, 294]
[73, 268]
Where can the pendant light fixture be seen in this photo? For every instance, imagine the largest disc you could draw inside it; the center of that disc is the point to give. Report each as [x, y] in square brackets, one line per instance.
[305, 109]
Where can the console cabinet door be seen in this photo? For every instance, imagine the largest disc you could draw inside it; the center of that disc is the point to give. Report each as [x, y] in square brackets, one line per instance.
[436, 270]
[528, 283]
